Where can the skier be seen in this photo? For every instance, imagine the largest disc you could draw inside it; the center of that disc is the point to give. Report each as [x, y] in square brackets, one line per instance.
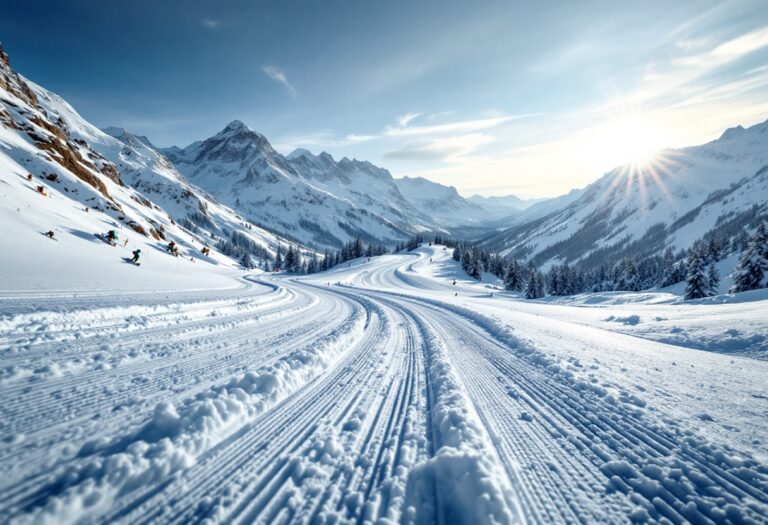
[172, 249]
[206, 251]
[49, 234]
[135, 259]
[112, 237]
[29, 177]
[41, 191]
[454, 282]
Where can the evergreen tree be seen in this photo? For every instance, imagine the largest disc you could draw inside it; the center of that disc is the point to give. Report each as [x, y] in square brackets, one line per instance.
[753, 263]
[713, 279]
[474, 269]
[513, 279]
[534, 288]
[246, 262]
[697, 285]
[278, 259]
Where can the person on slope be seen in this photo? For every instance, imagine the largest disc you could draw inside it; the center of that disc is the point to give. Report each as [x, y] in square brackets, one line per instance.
[112, 237]
[136, 254]
[173, 249]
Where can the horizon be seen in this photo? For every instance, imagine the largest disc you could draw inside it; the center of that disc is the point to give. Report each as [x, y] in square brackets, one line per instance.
[394, 87]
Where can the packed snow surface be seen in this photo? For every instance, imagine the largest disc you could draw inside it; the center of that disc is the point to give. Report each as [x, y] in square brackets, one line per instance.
[377, 392]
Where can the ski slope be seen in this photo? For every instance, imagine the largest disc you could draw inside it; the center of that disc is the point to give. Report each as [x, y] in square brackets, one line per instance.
[378, 392]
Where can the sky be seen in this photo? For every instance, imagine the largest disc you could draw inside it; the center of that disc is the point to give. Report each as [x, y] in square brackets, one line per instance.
[509, 97]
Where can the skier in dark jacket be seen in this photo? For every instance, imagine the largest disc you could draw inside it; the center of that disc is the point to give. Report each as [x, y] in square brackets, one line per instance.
[112, 237]
[136, 254]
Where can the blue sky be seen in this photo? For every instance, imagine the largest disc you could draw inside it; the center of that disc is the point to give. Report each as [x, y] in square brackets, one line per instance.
[531, 98]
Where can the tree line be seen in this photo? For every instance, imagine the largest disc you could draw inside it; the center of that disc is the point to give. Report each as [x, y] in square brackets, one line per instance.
[696, 266]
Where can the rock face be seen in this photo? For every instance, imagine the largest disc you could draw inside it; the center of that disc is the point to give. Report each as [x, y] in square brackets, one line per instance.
[118, 180]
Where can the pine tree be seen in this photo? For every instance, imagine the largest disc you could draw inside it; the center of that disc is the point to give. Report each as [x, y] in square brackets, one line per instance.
[513, 280]
[697, 285]
[474, 268]
[457, 254]
[713, 279]
[292, 261]
[246, 262]
[753, 263]
[278, 259]
[534, 288]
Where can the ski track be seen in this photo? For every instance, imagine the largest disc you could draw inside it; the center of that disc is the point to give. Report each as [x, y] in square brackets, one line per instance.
[390, 408]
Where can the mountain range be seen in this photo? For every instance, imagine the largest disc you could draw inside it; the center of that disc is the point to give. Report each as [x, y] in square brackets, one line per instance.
[236, 183]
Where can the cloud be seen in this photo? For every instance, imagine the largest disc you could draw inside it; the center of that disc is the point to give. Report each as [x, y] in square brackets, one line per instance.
[403, 120]
[279, 76]
[210, 23]
[447, 149]
[403, 129]
[463, 126]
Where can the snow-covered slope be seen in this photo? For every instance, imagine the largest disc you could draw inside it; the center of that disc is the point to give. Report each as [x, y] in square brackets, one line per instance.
[92, 182]
[632, 210]
[380, 392]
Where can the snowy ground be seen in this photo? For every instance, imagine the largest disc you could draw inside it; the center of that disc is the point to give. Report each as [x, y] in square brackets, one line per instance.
[378, 392]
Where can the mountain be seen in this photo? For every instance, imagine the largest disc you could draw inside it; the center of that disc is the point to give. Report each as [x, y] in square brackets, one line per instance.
[503, 204]
[312, 198]
[444, 204]
[94, 181]
[684, 194]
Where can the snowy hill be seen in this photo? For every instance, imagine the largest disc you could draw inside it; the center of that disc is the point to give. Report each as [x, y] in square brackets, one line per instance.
[630, 210]
[62, 174]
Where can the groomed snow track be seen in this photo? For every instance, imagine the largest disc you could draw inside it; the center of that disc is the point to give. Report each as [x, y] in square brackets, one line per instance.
[293, 401]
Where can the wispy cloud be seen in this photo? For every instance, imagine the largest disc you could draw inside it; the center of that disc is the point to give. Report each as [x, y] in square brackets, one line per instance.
[278, 76]
[403, 120]
[447, 149]
[210, 23]
[404, 129]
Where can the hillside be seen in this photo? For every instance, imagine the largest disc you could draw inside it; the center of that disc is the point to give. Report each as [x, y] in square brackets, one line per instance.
[683, 194]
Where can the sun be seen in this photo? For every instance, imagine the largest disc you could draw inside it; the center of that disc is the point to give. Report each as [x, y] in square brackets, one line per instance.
[627, 140]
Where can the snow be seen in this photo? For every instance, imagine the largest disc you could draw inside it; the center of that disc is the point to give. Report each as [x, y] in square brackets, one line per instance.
[386, 390]
[376, 391]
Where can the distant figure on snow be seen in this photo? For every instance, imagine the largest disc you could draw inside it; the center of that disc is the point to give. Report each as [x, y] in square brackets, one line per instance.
[41, 191]
[49, 234]
[173, 249]
[112, 237]
[29, 177]
[136, 254]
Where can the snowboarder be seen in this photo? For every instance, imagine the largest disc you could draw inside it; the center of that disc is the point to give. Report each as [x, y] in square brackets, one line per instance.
[41, 191]
[49, 234]
[136, 254]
